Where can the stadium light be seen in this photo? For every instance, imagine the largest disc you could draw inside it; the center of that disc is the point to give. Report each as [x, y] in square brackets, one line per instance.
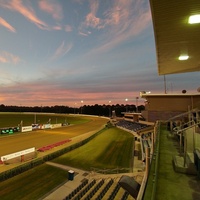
[109, 109]
[136, 104]
[194, 19]
[183, 57]
[126, 105]
[82, 107]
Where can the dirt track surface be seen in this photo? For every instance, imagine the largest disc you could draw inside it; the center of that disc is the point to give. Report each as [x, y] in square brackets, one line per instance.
[40, 138]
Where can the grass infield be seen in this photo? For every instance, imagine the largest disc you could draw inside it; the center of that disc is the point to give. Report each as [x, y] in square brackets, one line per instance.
[111, 149]
[14, 119]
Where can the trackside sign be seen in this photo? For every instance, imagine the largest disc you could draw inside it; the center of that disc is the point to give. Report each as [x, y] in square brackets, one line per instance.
[26, 128]
[17, 154]
[56, 125]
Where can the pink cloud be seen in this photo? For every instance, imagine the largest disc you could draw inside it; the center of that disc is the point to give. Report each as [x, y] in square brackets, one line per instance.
[123, 21]
[38, 93]
[53, 9]
[91, 19]
[58, 28]
[6, 57]
[83, 34]
[68, 28]
[7, 25]
[62, 50]
[18, 6]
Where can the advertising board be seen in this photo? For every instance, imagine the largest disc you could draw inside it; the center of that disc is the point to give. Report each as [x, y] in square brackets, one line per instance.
[17, 154]
[35, 126]
[56, 125]
[26, 128]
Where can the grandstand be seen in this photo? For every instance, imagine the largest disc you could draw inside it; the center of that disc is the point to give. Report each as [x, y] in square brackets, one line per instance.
[174, 159]
[170, 137]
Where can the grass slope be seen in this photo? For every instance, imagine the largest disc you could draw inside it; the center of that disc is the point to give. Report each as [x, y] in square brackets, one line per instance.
[111, 149]
[32, 184]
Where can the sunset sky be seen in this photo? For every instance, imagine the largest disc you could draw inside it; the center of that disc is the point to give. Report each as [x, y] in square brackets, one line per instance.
[62, 52]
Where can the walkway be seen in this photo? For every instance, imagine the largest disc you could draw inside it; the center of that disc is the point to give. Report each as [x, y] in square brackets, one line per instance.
[173, 185]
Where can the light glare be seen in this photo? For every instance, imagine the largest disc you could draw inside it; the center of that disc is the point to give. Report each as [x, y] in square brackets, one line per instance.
[194, 19]
[183, 57]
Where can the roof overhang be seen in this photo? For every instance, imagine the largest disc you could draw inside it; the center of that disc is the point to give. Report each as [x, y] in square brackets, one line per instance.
[144, 95]
[174, 36]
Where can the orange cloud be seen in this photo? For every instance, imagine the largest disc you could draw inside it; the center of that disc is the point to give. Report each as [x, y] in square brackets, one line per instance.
[91, 19]
[6, 57]
[7, 25]
[52, 8]
[18, 6]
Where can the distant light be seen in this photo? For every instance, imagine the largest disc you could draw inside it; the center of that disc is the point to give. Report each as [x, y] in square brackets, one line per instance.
[183, 57]
[194, 19]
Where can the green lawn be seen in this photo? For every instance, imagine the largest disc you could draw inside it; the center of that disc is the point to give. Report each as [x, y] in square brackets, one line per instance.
[32, 184]
[111, 149]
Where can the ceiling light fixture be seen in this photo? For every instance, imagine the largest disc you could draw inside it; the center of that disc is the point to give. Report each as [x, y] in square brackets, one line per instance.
[183, 57]
[194, 19]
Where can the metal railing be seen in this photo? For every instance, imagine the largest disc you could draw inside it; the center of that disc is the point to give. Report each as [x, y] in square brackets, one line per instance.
[184, 129]
[153, 171]
[182, 114]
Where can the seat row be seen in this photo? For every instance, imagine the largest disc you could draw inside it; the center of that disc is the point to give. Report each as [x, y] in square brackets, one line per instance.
[81, 190]
[132, 126]
[51, 146]
[95, 190]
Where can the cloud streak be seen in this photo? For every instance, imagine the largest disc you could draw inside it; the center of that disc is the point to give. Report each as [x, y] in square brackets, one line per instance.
[27, 12]
[52, 8]
[4, 23]
[62, 50]
[6, 57]
[124, 20]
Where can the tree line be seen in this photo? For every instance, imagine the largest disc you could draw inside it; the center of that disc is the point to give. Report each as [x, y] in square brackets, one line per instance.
[99, 110]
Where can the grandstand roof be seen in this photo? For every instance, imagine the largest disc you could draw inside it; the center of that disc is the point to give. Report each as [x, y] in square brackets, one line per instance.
[143, 95]
[174, 36]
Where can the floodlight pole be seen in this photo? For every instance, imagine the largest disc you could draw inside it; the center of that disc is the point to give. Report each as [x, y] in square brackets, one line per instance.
[35, 119]
[165, 85]
[136, 104]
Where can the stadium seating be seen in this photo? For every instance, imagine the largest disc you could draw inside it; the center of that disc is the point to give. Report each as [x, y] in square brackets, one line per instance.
[107, 188]
[132, 126]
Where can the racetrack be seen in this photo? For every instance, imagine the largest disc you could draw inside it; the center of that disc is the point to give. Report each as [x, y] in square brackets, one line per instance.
[18, 142]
